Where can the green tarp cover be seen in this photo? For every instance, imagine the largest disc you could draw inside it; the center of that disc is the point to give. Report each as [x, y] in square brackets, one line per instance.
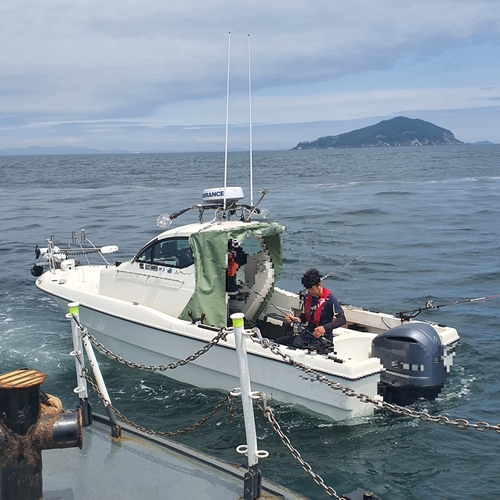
[210, 256]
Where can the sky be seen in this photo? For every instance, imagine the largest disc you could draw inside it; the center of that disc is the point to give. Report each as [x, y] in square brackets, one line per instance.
[148, 75]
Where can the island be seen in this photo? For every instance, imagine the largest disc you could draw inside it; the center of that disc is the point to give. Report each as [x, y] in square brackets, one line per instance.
[399, 131]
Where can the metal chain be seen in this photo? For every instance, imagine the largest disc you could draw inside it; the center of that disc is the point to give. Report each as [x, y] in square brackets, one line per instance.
[459, 423]
[161, 368]
[228, 399]
[274, 348]
[269, 414]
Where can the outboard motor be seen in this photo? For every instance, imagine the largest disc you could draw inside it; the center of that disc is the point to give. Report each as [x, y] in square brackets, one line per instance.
[413, 357]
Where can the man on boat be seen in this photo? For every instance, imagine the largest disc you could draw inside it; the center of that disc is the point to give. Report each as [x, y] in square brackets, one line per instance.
[322, 312]
[236, 258]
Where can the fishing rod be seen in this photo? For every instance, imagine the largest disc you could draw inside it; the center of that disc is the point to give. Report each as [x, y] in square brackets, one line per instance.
[303, 292]
[288, 311]
[302, 329]
[407, 315]
[300, 326]
[335, 271]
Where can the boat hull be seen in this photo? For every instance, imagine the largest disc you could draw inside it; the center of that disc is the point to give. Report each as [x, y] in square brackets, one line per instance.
[146, 343]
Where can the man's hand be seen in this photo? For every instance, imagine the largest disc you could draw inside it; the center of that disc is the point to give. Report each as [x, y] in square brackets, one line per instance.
[319, 331]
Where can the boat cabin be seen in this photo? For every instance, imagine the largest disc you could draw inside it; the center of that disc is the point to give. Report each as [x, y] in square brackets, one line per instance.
[212, 270]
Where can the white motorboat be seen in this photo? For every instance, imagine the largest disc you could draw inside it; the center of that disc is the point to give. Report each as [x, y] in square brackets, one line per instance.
[174, 296]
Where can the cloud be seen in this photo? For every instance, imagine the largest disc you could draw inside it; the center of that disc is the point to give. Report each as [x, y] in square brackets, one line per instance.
[164, 63]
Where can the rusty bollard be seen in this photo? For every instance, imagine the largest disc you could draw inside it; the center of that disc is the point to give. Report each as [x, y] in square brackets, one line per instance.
[25, 432]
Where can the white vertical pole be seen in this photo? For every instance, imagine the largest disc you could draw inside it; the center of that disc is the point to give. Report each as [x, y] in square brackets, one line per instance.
[74, 310]
[227, 117]
[96, 371]
[77, 337]
[246, 393]
[250, 120]
[81, 389]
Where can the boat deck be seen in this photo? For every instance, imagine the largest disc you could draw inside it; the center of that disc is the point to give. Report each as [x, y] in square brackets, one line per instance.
[142, 466]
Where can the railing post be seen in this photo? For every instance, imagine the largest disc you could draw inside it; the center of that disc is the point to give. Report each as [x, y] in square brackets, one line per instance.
[253, 478]
[74, 308]
[81, 389]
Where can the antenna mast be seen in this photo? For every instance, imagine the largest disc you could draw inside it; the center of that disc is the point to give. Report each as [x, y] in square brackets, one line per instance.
[250, 119]
[227, 116]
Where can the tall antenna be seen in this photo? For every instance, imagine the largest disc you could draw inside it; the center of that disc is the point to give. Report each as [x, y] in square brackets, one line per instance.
[250, 119]
[227, 116]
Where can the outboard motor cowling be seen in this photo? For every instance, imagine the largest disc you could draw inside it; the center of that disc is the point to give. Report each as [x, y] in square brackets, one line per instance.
[413, 357]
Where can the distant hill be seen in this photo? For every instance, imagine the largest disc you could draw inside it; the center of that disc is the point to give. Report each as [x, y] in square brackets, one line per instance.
[400, 131]
[58, 150]
[72, 150]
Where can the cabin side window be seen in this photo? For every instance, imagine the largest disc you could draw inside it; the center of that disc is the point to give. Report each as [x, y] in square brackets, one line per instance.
[170, 253]
[145, 256]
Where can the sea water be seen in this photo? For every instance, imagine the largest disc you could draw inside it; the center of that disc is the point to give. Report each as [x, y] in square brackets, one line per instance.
[423, 224]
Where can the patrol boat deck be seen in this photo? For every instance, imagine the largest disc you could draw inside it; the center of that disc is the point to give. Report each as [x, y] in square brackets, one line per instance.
[142, 466]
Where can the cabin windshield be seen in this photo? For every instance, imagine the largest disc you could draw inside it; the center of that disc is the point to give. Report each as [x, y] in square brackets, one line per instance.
[174, 252]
